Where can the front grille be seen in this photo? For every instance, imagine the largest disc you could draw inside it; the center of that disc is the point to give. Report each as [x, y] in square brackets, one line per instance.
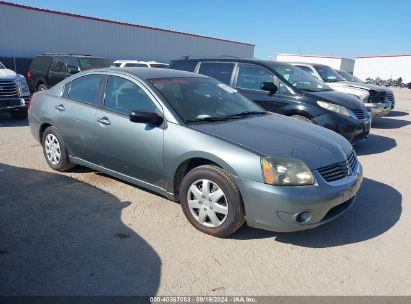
[376, 97]
[8, 89]
[360, 114]
[339, 170]
[390, 97]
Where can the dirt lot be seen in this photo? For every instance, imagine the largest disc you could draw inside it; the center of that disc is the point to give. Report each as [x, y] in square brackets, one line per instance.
[85, 233]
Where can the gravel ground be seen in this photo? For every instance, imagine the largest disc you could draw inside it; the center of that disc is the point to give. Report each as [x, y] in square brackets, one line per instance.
[84, 233]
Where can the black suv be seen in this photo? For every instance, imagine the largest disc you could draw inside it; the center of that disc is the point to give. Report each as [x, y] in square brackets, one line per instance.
[282, 88]
[49, 69]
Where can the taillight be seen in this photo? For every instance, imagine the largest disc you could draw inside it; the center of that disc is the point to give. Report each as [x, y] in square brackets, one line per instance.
[28, 75]
[29, 104]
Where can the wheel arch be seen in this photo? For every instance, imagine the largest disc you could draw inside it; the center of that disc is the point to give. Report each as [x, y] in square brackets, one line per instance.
[190, 162]
[300, 110]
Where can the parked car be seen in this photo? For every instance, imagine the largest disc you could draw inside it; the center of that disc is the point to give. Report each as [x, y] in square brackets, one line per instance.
[14, 93]
[378, 100]
[139, 64]
[289, 91]
[351, 78]
[196, 140]
[49, 69]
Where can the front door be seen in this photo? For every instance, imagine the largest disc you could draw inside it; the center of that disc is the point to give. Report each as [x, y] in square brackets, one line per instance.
[133, 149]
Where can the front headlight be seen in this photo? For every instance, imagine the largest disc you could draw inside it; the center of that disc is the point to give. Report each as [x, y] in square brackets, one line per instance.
[333, 107]
[286, 172]
[22, 86]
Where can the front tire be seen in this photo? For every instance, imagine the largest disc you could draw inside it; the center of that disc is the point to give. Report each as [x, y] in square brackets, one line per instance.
[211, 201]
[55, 151]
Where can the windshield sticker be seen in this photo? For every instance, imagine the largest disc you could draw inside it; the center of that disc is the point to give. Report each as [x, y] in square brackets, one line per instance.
[227, 88]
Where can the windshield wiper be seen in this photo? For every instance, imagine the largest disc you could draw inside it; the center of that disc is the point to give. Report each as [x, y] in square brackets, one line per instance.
[211, 119]
[246, 113]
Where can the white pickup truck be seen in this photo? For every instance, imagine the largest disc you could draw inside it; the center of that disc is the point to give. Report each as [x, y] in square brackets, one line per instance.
[14, 93]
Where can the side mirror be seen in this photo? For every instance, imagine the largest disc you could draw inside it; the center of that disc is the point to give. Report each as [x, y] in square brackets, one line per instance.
[270, 87]
[73, 70]
[146, 117]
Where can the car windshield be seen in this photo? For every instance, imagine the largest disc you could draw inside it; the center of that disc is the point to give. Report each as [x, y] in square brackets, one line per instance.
[299, 78]
[328, 74]
[205, 100]
[87, 63]
[347, 76]
[2, 66]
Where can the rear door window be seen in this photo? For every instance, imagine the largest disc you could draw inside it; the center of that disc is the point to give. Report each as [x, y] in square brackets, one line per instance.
[72, 63]
[59, 65]
[84, 89]
[219, 70]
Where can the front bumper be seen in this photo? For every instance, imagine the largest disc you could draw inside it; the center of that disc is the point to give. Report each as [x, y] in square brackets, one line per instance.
[275, 207]
[12, 104]
[354, 130]
[379, 109]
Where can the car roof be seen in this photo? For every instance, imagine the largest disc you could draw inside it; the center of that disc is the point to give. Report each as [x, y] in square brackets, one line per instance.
[69, 55]
[233, 59]
[136, 61]
[308, 63]
[150, 73]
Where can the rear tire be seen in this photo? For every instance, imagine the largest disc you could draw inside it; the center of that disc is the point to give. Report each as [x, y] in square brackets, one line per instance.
[41, 87]
[19, 114]
[55, 151]
[217, 210]
[303, 118]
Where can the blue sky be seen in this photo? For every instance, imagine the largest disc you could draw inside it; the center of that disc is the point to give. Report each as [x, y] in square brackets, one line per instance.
[324, 27]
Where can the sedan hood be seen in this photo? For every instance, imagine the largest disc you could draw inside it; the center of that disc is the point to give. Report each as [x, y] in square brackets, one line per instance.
[281, 136]
[359, 85]
[7, 74]
[339, 98]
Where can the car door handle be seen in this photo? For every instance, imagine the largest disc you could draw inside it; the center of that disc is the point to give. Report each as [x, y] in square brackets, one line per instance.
[60, 108]
[104, 121]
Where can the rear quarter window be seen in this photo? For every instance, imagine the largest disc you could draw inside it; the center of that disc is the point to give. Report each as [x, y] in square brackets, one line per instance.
[41, 63]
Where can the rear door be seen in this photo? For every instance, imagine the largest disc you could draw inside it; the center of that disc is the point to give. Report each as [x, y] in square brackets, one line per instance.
[248, 82]
[133, 149]
[75, 115]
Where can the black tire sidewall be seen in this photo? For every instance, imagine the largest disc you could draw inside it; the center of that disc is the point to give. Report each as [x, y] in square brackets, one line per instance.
[41, 85]
[64, 163]
[235, 217]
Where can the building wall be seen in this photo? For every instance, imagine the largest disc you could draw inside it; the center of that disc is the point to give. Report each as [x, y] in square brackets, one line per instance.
[384, 67]
[339, 63]
[26, 32]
